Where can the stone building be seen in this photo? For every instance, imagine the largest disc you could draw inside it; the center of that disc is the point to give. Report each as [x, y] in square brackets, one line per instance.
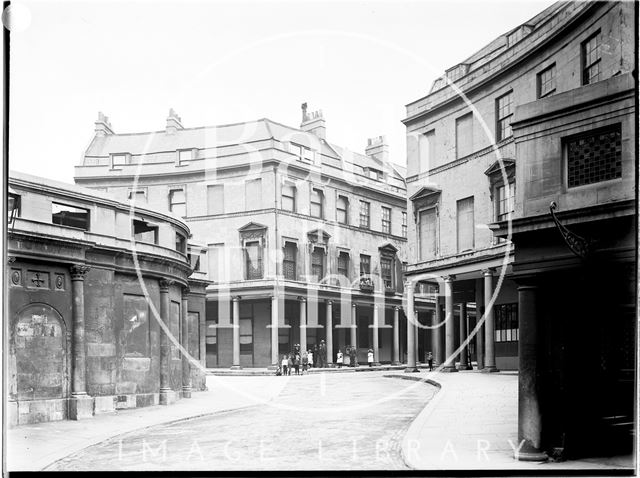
[304, 240]
[523, 157]
[86, 292]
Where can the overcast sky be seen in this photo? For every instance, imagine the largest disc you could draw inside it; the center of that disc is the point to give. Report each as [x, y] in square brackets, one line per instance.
[220, 62]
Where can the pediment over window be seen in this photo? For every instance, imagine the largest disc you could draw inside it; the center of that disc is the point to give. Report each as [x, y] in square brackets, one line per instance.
[388, 249]
[425, 197]
[252, 226]
[495, 169]
[318, 236]
[252, 230]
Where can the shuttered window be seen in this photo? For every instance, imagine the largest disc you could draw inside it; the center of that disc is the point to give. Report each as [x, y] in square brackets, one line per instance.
[427, 225]
[465, 224]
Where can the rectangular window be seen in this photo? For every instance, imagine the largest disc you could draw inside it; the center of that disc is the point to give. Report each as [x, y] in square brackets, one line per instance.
[246, 336]
[386, 220]
[289, 260]
[343, 264]
[342, 207]
[289, 197]
[505, 200]
[504, 115]
[317, 263]
[364, 214]
[465, 224]
[547, 81]
[144, 231]
[365, 265]
[217, 266]
[137, 195]
[215, 199]
[193, 341]
[506, 322]
[464, 135]
[13, 205]
[427, 233]
[386, 271]
[181, 243]
[177, 202]
[375, 174]
[316, 203]
[211, 338]
[427, 150]
[135, 332]
[594, 157]
[194, 260]
[404, 224]
[71, 216]
[591, 57]
[253, 260]
[302, 152]
[253, 194]
[175, 329]
[185, 155]
[119, 159]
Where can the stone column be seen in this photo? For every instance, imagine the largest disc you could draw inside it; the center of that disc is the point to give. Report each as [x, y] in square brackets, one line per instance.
[411, 348]
[303, 324]
[186, 366]
[438, 337]
[449, 359]
[489, 326]
[81, 404]
[275, 352]
[529, 415]
[436, 317]
[396, 336]
[416, 336]
[236, 333]
[376, 331]
[329, 333]
[480, 333]
[354, 331]
[464, 332]
[167, 395]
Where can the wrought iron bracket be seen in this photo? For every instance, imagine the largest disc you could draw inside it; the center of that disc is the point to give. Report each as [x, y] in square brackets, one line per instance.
[580, 246]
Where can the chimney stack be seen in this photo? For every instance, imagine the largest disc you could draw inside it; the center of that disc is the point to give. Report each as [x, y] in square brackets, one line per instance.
[378, 149]
[102, 125]
[174, 122]
[313, 122]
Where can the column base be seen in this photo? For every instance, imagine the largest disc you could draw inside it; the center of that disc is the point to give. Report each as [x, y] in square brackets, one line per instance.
[411, 369]
[449, 369]
[375, 364]
[167, 396]
[465, 367]
[235, 367]
[186, 392]
[396, 362]
[531, 456]
[491, 369]
[272, 368]
[80, 406]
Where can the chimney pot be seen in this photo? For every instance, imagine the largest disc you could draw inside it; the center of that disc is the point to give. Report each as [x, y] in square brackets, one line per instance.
[102, 125]
[174, 122]
[313, 122]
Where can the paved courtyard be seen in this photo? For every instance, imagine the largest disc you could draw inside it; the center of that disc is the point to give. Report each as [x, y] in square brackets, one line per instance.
[320, 421]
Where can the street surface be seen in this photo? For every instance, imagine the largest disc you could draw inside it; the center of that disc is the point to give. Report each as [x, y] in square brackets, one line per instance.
[322, 421]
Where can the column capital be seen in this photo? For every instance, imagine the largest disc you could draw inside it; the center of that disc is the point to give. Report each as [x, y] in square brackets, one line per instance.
[78, 271]
[302, 299]
[449, 278]
[185, 291]
[165, 284]
[353, 305]
[11, 259]
[396, 308]
[329, 302]
[488, 272]
[236, 298]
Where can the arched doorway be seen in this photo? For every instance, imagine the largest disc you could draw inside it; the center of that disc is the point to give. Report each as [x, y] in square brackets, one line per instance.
[38, 355]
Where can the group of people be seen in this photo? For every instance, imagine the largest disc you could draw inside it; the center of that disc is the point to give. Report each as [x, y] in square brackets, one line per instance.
[299, 362]
[348, 359]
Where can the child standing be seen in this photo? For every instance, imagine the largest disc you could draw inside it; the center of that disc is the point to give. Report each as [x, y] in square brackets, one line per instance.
[289, 364]
[285, 365]
[310, 354]
[339, 359]
[370, 357]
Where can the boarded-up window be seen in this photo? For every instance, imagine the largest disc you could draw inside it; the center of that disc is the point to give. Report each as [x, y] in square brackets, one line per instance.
[218, 266]
[427, 150]
[289, 261]
[135, 330]
[253, 194]
[465, 224]
[464, 135]
[215, 199]
[427, 234]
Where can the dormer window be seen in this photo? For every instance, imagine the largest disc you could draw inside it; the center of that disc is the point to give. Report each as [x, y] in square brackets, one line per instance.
[375, 174]
[71, 216]
[185, 155]
[518, 34]
[302, 152]
[181, 243]
[457, 71]
[144, 231]
[119, 159]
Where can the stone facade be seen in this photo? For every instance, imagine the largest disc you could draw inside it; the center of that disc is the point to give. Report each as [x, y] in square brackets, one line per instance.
[285, 232]
[84, 304]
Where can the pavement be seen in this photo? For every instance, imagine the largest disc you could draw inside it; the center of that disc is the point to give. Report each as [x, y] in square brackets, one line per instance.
[385, 419]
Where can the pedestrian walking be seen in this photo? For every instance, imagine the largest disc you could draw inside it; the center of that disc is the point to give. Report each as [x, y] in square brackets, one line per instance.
[370, 357]
[339, 359]
[296, 364]
[285, 364]
[430, 361]
[305, 361]
[310, 354]
[289, 364]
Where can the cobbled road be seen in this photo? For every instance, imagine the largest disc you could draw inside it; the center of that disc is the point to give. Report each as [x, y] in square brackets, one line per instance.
[318, 422]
